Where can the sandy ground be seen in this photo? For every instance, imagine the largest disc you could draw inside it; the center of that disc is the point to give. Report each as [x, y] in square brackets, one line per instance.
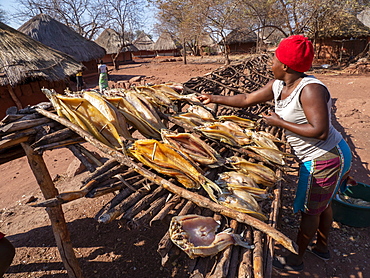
[113, 250]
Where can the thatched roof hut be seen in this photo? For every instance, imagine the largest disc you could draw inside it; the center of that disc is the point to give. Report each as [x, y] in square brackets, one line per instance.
[241, 41]
[208, 45]
[51, 32]
[112, 42]
[341, 41]
[166, 45]
[27, 65]
[144, 45]
[24, 59]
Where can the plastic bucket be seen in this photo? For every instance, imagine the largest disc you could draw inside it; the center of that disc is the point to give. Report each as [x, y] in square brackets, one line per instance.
[351, 214]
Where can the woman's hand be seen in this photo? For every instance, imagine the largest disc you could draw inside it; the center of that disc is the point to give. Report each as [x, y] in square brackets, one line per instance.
[271, 118]
[205, 99]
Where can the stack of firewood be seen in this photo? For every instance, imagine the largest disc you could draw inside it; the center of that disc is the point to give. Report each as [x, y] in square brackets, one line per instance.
[362, 66]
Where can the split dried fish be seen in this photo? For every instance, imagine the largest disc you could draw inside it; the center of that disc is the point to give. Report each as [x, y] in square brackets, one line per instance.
[273, 155]
[196, 236]
[80, 112]
[109, 111]
[202, 112]
[166, 160]
[194, 147]
[259, 173]
[233, 201]
[242, 122]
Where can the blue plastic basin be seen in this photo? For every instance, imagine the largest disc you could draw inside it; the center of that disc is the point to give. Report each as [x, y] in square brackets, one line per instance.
[351, 214]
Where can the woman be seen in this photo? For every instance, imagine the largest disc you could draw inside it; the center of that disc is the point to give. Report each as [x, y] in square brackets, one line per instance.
[103, 76]
[302, 108]
[7, 252]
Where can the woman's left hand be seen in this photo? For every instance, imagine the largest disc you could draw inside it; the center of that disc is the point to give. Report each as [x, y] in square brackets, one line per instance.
[271, 118]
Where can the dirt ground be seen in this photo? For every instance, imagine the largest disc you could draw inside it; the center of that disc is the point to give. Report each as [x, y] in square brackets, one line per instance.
[113, 250]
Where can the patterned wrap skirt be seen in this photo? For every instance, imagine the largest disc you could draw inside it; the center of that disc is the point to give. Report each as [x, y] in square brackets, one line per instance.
[103, 81]
[321, 178]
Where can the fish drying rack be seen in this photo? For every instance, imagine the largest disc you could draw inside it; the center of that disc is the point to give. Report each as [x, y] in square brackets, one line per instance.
[145, 197]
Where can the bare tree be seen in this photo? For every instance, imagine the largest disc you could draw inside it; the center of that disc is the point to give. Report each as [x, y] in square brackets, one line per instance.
[125, 16]
[2, 15]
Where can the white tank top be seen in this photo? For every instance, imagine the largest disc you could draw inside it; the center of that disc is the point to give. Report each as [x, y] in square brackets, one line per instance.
[290, 109]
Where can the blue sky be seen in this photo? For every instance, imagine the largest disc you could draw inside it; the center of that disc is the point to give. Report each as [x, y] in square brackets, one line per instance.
[8, 6]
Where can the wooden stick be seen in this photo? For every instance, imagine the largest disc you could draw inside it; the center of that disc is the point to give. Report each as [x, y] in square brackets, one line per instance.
[166, 209]
[76, 151]
[258, 255]
[222, 267]
[20, 125]
[53, 137]
[245, 266]
[144, 217]
[56, 215]
[14, 97]
[143, 203]
[194, 197]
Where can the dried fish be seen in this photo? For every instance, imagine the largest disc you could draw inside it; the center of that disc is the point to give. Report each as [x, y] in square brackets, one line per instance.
[196, 236]
[260, 173]
[194, 147]
[189, 118]
[202, 112]
[242, 122]
[232, 201]
[166, 160]
[273, 155]
[109, 111]
[79, 111]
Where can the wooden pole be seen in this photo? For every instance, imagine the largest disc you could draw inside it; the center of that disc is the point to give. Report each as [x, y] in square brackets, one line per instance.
[14, 97]
[56, 215]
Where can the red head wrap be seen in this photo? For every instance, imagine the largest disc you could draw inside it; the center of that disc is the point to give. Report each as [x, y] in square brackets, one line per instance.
[296, 52]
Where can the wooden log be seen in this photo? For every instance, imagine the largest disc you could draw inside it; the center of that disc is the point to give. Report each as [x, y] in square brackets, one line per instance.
[20, 125]
[118, 210]
[89, 155]
[114, 202]
[100, 191]
[194, 197]
[144, 217]
[246, 266]
[258, 255]
[101, 170]
[234, 261]
[60, 230]
[270, 243]
[14, 97]
[54, 137]
[143, 203]
[222, 267]
[76, 151]
[59, 144]
[166, 209]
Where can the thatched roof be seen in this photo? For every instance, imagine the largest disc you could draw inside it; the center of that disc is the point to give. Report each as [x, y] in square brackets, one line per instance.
[52, 33]
[348, 27]
[23, 59]
[111, 41]
[206, 40]
[241, 36]
[166, 42]
[143, 42]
